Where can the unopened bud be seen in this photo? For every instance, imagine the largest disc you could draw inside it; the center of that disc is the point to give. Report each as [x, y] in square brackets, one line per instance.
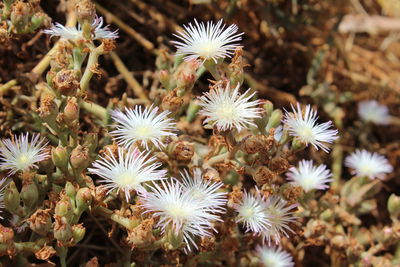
[71, 111]
[268, 107]
[12, 198]
[40, 222]
[211, 174]
[64, 209]
[83, 198]
[279, 165]
[79, 158]
[48, 107]
[29, 194]
[62, 230]
[85, 11]
[393, 206]
[185, 76]
[275, 119]
[182, 150]
[263, 175]
[66, 82]
[164, 77]
[163, 60]
[235, 68]
[78, 232]
[256, 143]
[20, 14]
[172, 101]
[6, 235]
[70, 190]
[59, 155]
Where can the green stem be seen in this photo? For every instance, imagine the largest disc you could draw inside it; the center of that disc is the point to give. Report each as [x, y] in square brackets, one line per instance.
[88, 74]
[127, 223]
[211, 66]
[96, 110]
[62, 254]
[7, 86]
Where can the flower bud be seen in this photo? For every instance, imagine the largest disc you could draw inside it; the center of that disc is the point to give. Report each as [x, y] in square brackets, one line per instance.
[173, 239]
[79, 158]
[164, 77]
[182, 150]
[393, 206]
[20, 14]
[268, 107]
[141, 234]
[185, 76]
[85, 11]
[263, 175]
[29, 194]
[6, 235]
[66, 82]
[163, 60]
[62, 230]
[78, 232]
[71, 111]
[236, 67]
[83, 199]
[48, 108]
[256, 143]
[279, 165]
[64, 209]
[275, 119]
[211, 174]
[59, 155]
[12, 198]
[70, 190]
[40, 222]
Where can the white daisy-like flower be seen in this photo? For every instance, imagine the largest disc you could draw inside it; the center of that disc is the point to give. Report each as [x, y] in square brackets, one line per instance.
[3, 185]
[127, 172]
[372, 111]
[204, 190]
[252, 213]
[76, 33]
[280, 216]
[274, 257]
[207, 41]
[371, 165]
[144, 126]
[227, 109]
[305, 128]
[310, 177]
[20, 154]
[179, 210]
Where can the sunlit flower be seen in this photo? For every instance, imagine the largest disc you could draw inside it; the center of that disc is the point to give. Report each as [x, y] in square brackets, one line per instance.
[76, 33]
[310, 177]
[3, 184]
[127, 172]
[305, 128]
[204, 190]
[374, 112]
[252, 213]
[144, 126]
[227, 109]
[371, 165]
[18, 154]
[180, 211]
[280, 216]
[274, 257]
[207, 41]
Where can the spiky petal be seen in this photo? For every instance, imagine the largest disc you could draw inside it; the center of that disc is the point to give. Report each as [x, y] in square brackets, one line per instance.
[227, 109]
[371, 165]
[274, 257]
[207, 40]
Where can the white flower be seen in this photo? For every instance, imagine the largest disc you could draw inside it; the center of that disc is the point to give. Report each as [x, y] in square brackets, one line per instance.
[204, 190]
[274, 257]
[374, 112]
[3, 185]
[76, 33]
[371, 165]
[306, 129]
[180, 211]
[310, 177]
[207, 41]
[280, 216]
[128, 172]
[252, 213]
[144, 126]
[278, 133]
[19, 154]
[226, 108]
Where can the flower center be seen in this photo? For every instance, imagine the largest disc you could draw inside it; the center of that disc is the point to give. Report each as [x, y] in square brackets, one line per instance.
[23, 161]
[207, 49]
[247, 212]
[306, 134]
[365, 168]
[143, 131]
[226, 112]
[126, 178]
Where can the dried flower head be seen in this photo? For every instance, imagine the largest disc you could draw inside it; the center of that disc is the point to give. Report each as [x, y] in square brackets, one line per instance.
[144, 126]
[227, 109]
[274, 257]
[372, 111]
[204, 190]
[280, 216]
[3, 185]
[371, 165]
[207, 41]
[310, 177]
[127, 172]
[76, 33]
[305, 128]
[180, 210]
[19, 154]
[252, 213]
